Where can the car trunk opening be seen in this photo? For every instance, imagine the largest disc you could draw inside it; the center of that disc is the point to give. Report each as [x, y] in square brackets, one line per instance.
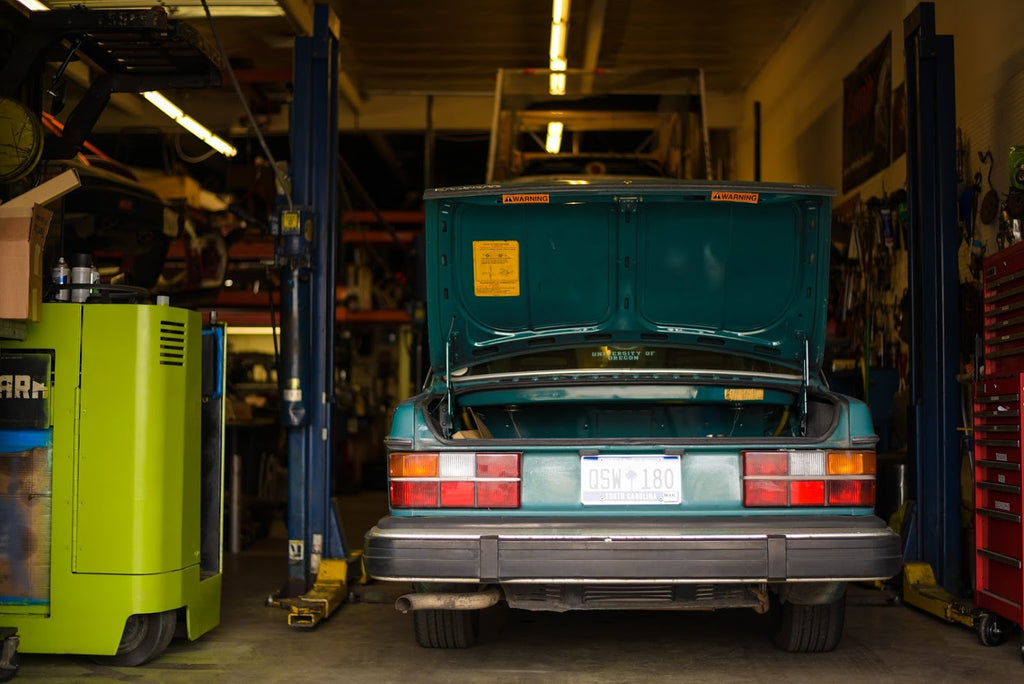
[655, 413]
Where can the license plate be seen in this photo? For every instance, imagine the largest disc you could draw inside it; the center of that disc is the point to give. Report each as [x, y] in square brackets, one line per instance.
[630, 480]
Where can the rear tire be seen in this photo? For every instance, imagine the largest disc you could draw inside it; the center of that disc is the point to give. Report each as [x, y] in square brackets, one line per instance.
[144, 638]
[811, 628]
[446, 628]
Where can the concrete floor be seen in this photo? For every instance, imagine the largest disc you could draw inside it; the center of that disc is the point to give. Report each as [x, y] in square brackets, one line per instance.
[368, 641]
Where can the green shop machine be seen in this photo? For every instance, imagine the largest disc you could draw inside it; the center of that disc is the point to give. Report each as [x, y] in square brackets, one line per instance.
[111, 480]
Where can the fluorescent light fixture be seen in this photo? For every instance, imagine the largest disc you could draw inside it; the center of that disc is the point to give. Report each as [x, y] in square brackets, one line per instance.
[556, 50]
[553, 143]
[189, 124]
[226, 10]
[34, 5]
[253, 330]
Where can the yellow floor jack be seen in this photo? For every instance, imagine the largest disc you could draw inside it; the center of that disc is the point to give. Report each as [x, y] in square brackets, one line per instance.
[329, 591]
[922, 591]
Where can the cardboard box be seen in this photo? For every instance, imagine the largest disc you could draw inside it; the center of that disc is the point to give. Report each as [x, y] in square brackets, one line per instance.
[22, 234]
[24, 549]
[23, 226]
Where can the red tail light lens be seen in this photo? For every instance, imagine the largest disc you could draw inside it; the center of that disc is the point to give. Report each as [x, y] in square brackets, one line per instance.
[414, 494]
[851, 493]
[807, 493]
[457, 494]
[765, 463]
[455, 480]
[497, 465]
[497, 495]
[764, 493]
[808, 478]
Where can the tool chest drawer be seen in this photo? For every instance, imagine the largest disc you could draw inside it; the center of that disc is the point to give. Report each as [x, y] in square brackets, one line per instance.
[995, 455]
[997, 535]
[998, 472]
[999, 497]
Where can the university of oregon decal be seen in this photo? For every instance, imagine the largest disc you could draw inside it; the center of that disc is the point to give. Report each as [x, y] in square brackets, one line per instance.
[753, 394]
[746, 197]
[496, 268]
[526, 199]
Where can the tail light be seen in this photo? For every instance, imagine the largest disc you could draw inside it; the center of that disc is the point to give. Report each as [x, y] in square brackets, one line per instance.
[809, 478]
[454, 480]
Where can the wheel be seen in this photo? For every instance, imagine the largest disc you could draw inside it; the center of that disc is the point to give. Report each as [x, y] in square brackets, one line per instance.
[811, 628]
[8, 675]
[990, 628]
[144, 638]
[446, 628]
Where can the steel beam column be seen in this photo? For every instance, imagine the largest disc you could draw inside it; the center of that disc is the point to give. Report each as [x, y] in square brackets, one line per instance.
[934, 294]
[313, 528]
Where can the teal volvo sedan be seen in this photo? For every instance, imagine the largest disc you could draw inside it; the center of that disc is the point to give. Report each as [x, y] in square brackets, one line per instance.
[625, 410]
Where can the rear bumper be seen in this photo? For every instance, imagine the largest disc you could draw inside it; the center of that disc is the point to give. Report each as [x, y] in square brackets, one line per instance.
[765, 549]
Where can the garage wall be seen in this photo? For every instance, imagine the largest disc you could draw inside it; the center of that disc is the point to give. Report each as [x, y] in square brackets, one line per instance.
[801, 95]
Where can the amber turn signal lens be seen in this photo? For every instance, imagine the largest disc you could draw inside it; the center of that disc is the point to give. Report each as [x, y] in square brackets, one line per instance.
[851, 463]
[412, 465]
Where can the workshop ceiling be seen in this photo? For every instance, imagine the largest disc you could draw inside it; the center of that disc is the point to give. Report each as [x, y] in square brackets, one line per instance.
[456, 46]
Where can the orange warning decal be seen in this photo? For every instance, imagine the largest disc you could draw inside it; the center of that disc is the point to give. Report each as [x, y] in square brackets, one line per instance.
[525, 199]
[747, 197]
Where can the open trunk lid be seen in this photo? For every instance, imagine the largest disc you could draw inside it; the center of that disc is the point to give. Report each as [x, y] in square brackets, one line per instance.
[734, 267]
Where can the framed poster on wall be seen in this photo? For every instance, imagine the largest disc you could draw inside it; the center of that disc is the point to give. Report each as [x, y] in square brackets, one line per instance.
[867, 103]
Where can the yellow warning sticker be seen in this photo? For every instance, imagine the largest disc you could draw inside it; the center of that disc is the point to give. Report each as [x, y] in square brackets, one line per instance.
[526, 199]
[722, 196]
[751, 394]
[496, 268]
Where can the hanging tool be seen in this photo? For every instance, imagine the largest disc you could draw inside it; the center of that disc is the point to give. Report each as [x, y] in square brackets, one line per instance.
[990, 203]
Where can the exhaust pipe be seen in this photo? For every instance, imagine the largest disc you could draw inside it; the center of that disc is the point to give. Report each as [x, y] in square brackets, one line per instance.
[475, 600]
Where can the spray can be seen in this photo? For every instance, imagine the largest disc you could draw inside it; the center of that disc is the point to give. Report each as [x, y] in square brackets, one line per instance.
[81, 274]
[62, 278]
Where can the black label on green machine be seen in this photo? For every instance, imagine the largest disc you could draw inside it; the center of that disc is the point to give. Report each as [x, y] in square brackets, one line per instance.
[24, 391]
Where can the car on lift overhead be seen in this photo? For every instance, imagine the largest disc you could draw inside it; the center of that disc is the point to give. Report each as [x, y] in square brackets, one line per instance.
[625, 410]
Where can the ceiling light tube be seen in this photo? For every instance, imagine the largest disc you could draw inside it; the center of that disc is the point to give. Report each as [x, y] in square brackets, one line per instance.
[553, 143]
[556, 49]
[560, 10]
[190, 124]
[34, 5]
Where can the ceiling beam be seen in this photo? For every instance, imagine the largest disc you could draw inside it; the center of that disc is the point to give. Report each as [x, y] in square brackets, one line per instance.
[595, 32]
[592, 45]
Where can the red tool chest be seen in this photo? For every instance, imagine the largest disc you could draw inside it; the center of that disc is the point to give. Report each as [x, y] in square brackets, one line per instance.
[999, 533]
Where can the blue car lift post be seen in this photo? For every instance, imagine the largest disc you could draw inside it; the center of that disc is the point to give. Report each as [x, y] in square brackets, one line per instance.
[932, 533]
[317, 559]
